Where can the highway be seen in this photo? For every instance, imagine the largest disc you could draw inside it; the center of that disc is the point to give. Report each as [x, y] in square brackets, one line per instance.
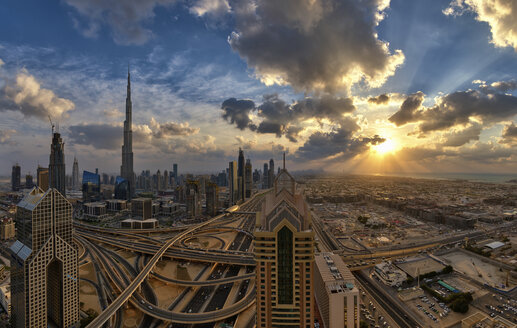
[163, 314]
[399, 315]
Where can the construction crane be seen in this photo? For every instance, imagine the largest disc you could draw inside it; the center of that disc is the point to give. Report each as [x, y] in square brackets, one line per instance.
[51, 124]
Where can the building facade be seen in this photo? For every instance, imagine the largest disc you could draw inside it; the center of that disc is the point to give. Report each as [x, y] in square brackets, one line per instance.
[42, 178]
[44, 274]
[232, 183]
[271, 173]
[212, 198]
[284, 253]
[16, 178]
[336, 293]
[248, 179]
[75, 175]
[56, 167]
[126, 169]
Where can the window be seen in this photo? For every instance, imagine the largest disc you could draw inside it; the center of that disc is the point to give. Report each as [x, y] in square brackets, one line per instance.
[285, 266]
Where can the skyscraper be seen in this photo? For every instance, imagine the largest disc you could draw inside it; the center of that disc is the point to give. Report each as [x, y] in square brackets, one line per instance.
[44, 274]
[284, 253]
[241, 176]
[212, 198]
[75, 175]
[28, 181]
[265, 174]
[56, 167]
[175, 172]
[126, 170]
[271, 174]
[248, 179]
[232, 183]
[16, 177]
[42, 178]
[165, 180]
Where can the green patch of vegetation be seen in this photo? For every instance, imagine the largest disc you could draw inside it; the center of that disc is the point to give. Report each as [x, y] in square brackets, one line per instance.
[91, 315]
[458, 302]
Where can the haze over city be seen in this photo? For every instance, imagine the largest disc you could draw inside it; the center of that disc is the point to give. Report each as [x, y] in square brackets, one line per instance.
[375, 87]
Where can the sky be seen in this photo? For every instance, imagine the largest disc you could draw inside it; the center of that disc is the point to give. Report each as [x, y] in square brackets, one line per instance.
[348, 86]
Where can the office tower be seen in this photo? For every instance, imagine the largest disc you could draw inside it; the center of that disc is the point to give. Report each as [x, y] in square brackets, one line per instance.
[28, 181]
[42, 178]
[75, 175]
[159, 181]
[121, 188]
[265, 175]
[126, 170]
[193, 199]
[91, 187]
[56, 167]
[241, 176]
[336, 293]
[165, 180]
[175, 172]
[212, 198]
[248, 179]
[16, 178]
[232, 183]
[44, 273]
[284, 254]
[271, 173]
[142, 208]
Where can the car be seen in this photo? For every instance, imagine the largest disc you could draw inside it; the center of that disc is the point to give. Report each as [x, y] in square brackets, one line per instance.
[149, 307]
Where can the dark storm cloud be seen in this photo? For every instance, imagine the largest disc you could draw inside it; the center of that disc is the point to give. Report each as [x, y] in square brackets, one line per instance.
[340, 143]
[238, 111]
[408, 110]
[487, 103]
[314, 45]
[280, 118]
[379, 100]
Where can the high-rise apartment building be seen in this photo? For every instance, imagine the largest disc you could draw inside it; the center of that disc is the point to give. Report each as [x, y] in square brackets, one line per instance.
[271, 173]
[241, 176]
[175, 171]
[56, 167]
[284, 253]
[16, 177]
[42, 178]
[75, 175]
[126, 170]
[336, 293]
[193, 199]
[166, 180]
[212, 198]
[233, 191]
[29, 183]
[265, 183]
[248, 179]
[44, 274]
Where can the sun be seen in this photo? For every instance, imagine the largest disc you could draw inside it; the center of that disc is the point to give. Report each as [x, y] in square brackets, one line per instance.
[384, 148]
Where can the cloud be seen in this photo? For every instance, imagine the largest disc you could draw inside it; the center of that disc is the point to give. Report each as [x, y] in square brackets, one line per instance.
[462, 137]
[125, 18]
[26, 95]
[169, 129]
[337, 144]
[486, 104]
[408, 110]
[314, 45]
[113, 113]
[277, 117]
[238, 111]
[214, 8]
[379, 100]
[5, 136]
[499, 14]
[109, 136]
[509, 134]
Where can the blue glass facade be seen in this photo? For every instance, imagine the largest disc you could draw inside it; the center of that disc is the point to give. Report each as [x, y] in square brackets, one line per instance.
[121, 188]
[91, 186]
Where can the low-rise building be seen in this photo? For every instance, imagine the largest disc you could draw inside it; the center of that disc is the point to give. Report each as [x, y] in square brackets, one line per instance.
[5, 298]
[142, 208]
[139, 224]
[116, 205]
[390, 274]
[336, 293]
[95, 210]
[7, 230]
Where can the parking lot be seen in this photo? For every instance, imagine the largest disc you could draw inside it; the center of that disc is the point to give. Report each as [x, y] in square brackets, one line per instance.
[497, 305]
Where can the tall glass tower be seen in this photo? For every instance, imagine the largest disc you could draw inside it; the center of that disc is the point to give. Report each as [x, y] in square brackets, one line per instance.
[126, 170]
[56, 168]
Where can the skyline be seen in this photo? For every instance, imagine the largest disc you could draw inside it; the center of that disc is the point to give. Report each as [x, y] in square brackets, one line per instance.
[445, 102]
